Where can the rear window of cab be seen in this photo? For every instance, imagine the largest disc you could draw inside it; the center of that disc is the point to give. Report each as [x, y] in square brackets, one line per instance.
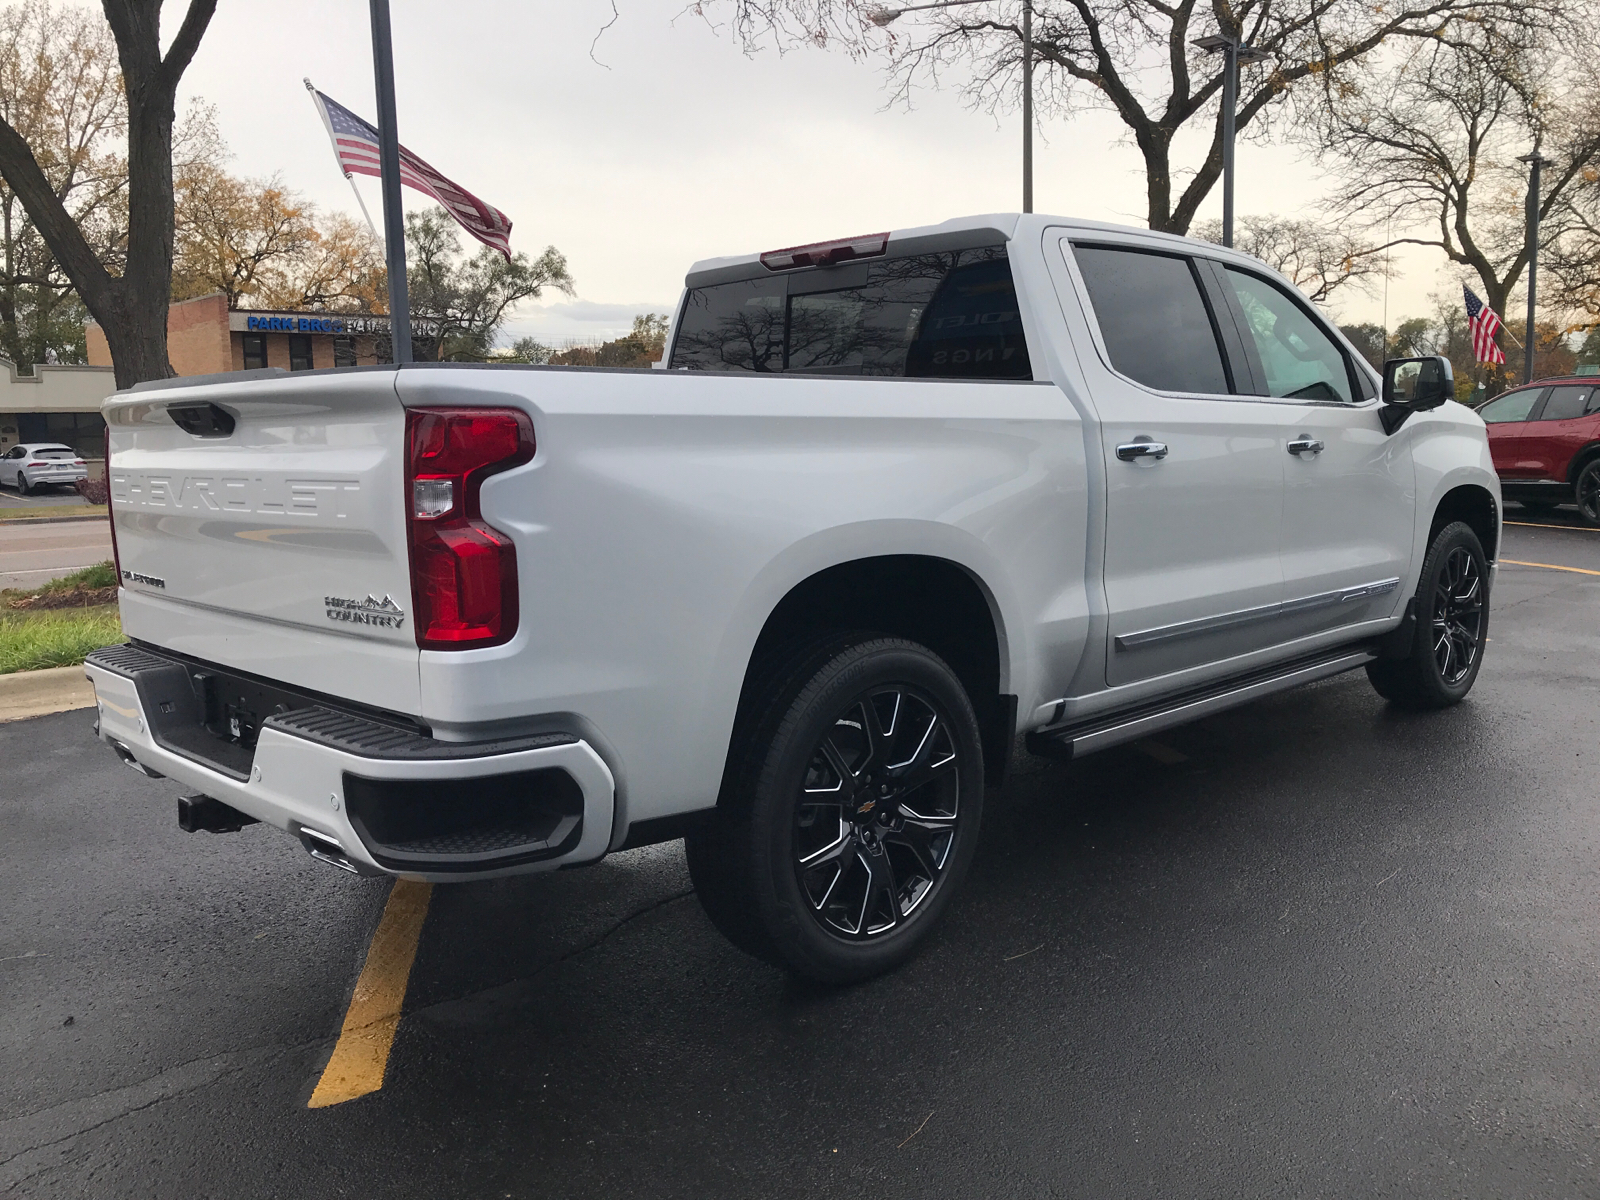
[949, 315]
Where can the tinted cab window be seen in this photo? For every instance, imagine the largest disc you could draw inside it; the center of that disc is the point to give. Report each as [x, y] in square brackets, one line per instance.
[1153, 318]
[948, 315]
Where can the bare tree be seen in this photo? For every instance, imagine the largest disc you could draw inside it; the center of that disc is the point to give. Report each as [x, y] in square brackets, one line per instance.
[1429, 149]
[1319, 256]
[131, 307]
[1135, 58]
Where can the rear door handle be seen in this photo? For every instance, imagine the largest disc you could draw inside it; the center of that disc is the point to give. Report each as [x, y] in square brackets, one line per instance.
[1141, 448]
[1305, 445]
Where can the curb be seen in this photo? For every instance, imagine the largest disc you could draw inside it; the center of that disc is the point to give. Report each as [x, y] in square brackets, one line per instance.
[26, 694]
[4, 520]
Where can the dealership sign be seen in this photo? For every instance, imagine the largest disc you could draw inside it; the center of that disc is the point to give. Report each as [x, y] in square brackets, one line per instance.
[295, 324]
[343, 324]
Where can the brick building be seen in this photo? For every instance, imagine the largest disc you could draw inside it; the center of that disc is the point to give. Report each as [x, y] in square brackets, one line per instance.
[205, 336]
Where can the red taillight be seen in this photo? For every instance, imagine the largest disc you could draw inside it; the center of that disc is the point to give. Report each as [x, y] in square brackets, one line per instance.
[822, 254]
[111, 516]
[463, 571]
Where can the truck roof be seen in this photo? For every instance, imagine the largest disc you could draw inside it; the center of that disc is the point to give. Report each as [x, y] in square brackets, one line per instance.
[956, 233]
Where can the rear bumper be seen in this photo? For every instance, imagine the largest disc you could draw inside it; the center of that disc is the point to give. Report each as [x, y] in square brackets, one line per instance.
[393, 801]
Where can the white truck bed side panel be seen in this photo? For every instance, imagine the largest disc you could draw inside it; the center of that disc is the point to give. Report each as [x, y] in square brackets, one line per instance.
[665, 516]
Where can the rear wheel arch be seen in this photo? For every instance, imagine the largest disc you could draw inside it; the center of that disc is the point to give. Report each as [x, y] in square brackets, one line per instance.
[925, 599]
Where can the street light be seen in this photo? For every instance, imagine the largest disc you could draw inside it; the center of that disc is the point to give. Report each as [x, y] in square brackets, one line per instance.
[1235, 52]
[1534, 161]
[881, 17]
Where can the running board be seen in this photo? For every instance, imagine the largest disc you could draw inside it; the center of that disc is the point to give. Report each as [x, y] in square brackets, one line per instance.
[1103, 730]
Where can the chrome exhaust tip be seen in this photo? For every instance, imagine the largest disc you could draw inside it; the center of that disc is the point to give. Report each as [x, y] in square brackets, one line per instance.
[327, 849]
[128, 759]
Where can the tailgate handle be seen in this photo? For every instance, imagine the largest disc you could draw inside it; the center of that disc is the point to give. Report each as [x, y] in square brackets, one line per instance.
[202, 419]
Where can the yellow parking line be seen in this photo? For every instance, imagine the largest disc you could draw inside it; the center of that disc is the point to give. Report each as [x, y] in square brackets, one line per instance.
[1511, 562]
[1540, 525]
[362, 1053]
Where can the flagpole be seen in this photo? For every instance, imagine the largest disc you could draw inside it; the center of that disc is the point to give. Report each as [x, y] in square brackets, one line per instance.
[394, 234]
[333, 141]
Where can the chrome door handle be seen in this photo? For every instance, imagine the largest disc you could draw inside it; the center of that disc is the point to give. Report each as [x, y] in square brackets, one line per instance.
[1144, 448]
[1305, 445]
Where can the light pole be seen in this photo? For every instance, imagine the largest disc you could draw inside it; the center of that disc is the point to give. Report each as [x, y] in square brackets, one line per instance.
[394, 222]
[887, 16]
[1534, 161]
[1234, 52]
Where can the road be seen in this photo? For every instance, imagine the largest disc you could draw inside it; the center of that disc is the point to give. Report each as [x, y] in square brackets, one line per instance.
[1311, 947]
[32, 554]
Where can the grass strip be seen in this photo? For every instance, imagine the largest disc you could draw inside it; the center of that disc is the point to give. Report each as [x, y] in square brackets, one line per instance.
[51, 510]
[98, 576]
[31, 641]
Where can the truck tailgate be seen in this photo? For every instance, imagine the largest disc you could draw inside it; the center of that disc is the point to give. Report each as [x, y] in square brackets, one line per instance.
[277, 546]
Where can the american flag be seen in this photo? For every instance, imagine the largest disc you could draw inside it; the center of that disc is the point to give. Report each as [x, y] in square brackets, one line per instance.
[355, 143]
[1484, 324]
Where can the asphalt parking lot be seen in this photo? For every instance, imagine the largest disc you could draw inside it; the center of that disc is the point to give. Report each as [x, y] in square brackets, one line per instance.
[1310, 947]
[32, 553]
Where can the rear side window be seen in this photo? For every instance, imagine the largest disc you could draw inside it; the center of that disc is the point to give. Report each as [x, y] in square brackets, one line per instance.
[1153, 318]
[1566, 403]
[948, 315]
[1513, 406]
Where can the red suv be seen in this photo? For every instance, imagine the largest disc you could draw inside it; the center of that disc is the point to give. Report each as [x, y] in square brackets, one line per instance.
[1545, 439]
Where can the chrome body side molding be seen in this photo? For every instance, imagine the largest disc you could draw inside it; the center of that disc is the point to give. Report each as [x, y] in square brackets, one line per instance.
[1246, 616]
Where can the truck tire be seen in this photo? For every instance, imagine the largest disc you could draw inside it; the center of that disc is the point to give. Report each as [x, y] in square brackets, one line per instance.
[1452, 626]
[849, 811]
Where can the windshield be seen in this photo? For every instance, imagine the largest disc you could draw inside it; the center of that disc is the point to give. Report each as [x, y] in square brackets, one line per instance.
[56, 452]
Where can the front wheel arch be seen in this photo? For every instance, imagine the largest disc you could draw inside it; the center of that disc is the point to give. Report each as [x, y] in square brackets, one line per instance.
[1474, 506]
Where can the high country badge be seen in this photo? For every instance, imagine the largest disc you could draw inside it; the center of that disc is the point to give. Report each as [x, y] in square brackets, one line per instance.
[384, 613]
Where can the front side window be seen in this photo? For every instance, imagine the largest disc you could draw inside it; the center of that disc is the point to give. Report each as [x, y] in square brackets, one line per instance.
[948, 315]
[1566, 403]
[1153, 318]
[1513, 406]
[1300, 360]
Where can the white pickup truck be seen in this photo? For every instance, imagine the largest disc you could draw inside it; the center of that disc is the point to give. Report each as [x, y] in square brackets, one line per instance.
[893, 501]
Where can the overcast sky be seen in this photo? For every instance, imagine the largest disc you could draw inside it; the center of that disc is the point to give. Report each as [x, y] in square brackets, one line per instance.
[674, 145]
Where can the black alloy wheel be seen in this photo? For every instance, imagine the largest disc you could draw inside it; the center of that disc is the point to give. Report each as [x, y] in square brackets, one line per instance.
[1458, 610]
[1451, 610]
[849, 811]
[877, 813]
[1588, 493]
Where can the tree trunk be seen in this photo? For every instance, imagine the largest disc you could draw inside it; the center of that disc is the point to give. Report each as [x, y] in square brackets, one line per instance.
[1156, 146]
[147, 283]
[131, 310]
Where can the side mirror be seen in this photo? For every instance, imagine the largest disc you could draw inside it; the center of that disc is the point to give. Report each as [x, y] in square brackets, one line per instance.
[1414, 385]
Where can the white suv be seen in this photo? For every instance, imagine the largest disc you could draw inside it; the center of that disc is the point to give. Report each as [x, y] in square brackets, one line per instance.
[33, 466]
